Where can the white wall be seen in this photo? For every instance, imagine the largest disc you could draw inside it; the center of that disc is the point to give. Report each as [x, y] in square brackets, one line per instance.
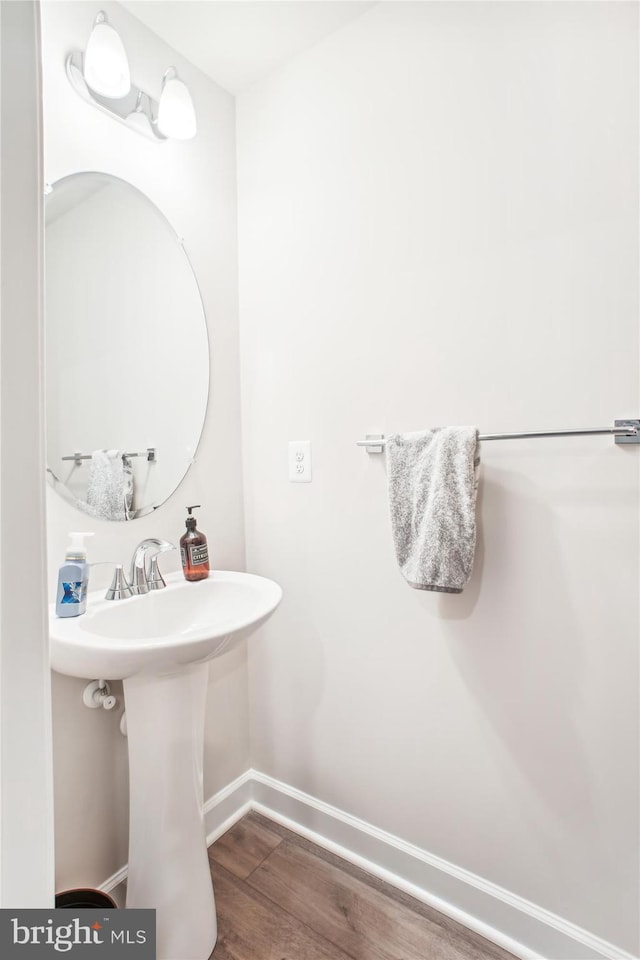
[26, 794]
[438, 224]
[194, 185]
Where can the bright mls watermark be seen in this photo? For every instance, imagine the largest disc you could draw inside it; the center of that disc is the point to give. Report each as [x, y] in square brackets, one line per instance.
[79, 934]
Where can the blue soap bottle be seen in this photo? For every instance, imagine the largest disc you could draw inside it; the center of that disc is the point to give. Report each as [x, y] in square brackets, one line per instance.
[73, 578]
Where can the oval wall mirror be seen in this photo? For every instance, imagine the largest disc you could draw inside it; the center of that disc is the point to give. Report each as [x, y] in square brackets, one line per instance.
[127, 352]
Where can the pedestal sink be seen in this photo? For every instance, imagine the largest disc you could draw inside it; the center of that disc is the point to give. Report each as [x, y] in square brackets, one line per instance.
[159, 645]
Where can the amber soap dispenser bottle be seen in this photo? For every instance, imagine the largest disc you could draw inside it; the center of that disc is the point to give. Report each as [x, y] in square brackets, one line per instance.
[194, 550]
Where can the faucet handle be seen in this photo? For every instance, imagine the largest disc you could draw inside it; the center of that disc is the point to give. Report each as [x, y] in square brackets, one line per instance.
[120, 588]
[139, 579]
[156, 581]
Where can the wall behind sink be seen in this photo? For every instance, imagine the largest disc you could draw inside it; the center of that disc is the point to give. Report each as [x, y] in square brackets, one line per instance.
[194, 184]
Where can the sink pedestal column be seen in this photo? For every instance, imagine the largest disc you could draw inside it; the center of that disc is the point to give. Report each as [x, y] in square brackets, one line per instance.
[168, 862]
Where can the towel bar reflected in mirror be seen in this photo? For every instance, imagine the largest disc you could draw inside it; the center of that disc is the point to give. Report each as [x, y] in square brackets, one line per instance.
[149, 453]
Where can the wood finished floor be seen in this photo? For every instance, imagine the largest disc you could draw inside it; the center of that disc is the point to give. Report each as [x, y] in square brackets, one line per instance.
[280, 897]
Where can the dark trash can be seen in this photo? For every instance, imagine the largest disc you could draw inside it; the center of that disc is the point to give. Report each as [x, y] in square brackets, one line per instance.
[84, 899]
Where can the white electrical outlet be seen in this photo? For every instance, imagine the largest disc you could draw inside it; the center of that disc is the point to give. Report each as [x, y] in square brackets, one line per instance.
[300, 461]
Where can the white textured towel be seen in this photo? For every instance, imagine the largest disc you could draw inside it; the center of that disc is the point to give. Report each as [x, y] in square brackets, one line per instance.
[110, 488]
[433, 481]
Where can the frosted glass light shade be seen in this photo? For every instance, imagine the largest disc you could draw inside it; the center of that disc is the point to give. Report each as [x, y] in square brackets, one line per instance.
[176, 114]
[106, 67]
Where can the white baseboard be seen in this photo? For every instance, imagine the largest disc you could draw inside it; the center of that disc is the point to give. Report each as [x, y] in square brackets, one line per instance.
[513, 923]
[116, 886]
[523, 928]
[228, 806]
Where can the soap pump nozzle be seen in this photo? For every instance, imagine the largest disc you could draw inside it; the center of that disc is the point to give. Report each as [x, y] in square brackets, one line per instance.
[191, 520]
[77, 549]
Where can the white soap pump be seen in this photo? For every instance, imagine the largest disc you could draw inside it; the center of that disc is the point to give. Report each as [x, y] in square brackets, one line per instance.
[73, 578]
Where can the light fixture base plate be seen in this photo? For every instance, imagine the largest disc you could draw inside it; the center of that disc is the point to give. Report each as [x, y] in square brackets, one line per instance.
[138, 110]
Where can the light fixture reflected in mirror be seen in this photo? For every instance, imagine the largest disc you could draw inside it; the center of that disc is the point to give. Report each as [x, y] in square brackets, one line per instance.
[101, 77]
[176, 116]
[106, 67]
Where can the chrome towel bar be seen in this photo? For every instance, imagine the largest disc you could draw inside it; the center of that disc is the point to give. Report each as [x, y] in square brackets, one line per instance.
[624, 431]
[149, 454]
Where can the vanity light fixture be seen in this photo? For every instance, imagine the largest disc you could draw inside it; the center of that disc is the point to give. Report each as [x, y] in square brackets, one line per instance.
[176, 116]
[101, 77]
[106, 67]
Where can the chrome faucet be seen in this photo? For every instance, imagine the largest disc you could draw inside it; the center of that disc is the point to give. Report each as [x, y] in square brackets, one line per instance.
[144, 579]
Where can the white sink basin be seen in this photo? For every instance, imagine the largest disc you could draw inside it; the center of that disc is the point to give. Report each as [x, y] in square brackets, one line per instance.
[159, 645]
[184, 623]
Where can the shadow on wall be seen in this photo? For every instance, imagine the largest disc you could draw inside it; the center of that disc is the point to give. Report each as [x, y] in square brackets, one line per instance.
[226, 733]
[91, 839]
[287, 718]
[525, 673]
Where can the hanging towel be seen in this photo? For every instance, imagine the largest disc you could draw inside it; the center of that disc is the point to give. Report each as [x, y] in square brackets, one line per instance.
[110, 488]
[433, 480]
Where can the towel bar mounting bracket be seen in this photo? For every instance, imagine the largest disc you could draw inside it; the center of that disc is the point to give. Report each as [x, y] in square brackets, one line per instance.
[372, 447]
[632, 424]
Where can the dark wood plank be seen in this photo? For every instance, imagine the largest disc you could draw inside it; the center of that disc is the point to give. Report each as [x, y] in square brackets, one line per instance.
[485, 949]
[359, 919]
[243, 848]
[252, 928]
